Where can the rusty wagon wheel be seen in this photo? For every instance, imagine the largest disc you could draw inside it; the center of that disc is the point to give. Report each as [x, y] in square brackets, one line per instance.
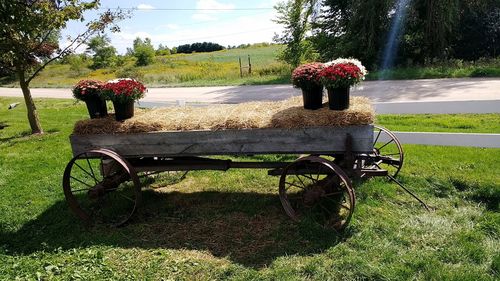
[316, 188]
[101, 187]
[387, 152]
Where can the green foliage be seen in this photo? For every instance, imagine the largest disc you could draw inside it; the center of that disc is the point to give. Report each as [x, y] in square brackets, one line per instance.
[28, 38]
[295, 15]
[143, 51]
[77, 64]
[30, 32]
[432, 30]
[444, 69]
[104, 55]
[162, 51]
[204, 47]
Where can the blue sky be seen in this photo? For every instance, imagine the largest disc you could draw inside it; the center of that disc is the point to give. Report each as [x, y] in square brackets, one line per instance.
[219, 21]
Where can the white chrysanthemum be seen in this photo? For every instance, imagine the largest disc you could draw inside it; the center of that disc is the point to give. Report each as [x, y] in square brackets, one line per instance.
[349, 60]
[119, 79]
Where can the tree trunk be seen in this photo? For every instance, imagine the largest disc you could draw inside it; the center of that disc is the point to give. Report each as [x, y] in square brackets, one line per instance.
[36, 128]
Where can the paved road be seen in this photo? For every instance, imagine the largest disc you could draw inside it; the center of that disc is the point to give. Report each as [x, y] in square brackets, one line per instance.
[427, 90]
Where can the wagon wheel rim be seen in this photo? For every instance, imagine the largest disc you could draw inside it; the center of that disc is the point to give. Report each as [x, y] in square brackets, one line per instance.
[92, 193]
[315, 188]
[387, 152]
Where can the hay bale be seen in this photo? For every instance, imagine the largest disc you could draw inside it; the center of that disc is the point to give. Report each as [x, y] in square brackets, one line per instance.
[281, 114]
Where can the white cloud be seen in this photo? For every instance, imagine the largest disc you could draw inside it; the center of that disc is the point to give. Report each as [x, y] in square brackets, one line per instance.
[145, 7]
[213, 5]
[172, 26]
[208, 9]
[203, 17]
[245, 29]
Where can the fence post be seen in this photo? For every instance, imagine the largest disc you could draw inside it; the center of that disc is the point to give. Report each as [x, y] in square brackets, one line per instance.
[241, 70]
[249, 65]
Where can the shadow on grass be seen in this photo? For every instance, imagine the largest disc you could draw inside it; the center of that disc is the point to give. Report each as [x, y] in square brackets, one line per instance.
[247, 228]
[20, 135]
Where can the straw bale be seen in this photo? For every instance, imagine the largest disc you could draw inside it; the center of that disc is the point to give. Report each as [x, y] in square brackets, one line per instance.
[281, 114]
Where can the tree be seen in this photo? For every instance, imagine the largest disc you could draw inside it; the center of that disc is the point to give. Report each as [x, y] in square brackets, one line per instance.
[28, 32]
[162, 50]
[479, 27]
[355, 28]
[198, 47]
[295, 15]
[143, 51]
[104, 55]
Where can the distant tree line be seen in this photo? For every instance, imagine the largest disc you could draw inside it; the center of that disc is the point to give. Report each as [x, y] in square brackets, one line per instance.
[432, 30]
[199, 47]
[101, 54]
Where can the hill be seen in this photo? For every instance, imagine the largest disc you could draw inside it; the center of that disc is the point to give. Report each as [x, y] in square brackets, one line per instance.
[196, 69]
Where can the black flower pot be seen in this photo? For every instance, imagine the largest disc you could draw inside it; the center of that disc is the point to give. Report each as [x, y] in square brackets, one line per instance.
[338, 98]
[123, 110]
[313, 97]
[97, 107]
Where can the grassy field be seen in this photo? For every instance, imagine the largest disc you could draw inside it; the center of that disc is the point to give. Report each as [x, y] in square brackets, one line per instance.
[222, 68]
[197, 69]
[230, 226]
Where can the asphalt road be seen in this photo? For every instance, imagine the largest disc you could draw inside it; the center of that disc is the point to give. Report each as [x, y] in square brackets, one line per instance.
[426, 90]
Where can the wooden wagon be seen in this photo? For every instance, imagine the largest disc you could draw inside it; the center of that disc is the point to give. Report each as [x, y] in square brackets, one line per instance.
[103, 180]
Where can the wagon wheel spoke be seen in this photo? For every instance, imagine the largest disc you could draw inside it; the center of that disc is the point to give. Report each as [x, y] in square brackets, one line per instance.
[345, 207]
[315, 180]
[84, 183]
[301, 182]
[333, 193]
[376, 139]
[90, 167]
[80, 190]
[128, 198]
[291, 184]
[86, 172]
[387, 143]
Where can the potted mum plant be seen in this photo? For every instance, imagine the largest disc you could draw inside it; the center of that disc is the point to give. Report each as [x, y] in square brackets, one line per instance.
[90, 91]
[338, 76]
[306, 77]
[123, 93]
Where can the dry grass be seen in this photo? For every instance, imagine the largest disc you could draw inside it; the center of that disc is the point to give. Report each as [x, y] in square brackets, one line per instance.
[281, 114]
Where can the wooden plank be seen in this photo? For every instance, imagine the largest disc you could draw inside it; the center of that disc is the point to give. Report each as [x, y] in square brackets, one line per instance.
[314, 140]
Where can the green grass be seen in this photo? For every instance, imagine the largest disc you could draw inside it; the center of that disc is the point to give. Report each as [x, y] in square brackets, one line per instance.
[230, 225]
[453, 69]
[460, 123]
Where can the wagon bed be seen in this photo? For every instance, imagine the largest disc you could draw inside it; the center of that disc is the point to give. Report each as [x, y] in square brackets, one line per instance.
[315, 140]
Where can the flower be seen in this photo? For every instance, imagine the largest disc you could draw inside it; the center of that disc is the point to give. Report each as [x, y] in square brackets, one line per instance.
[307, 75]
[342, 73]
[124, 89]
[86, 89]
[349, 60]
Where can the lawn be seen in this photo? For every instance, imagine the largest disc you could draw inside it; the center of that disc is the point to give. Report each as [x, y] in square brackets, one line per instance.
[230, 225]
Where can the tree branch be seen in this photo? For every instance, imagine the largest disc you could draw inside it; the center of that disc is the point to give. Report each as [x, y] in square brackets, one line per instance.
[63, 52]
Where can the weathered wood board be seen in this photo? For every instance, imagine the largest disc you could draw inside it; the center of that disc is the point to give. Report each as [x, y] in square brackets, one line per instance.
[314, 140]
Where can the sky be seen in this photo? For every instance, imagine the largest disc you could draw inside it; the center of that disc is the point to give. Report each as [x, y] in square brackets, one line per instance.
[226, 22]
